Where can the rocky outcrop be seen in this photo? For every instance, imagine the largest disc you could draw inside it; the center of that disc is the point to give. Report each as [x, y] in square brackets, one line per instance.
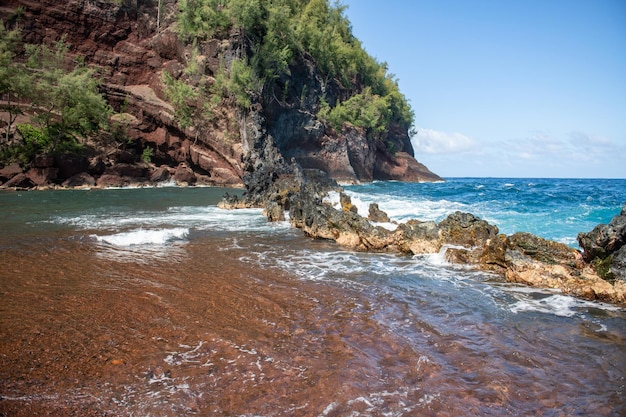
[605, 247]
[463, 238]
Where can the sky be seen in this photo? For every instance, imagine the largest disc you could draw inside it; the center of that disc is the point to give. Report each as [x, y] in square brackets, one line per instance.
[507, 88]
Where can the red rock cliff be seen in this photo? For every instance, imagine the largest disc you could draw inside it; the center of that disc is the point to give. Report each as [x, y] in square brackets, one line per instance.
[123, 41]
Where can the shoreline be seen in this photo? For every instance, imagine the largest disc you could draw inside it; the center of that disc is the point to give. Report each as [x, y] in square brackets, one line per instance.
[243, 339]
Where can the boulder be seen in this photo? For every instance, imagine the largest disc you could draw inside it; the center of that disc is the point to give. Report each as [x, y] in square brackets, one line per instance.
[184, 175]
[81, 179]
[417, 237]
[467, 230]
[96, 166]
[19, 181]
[10, 171]
[128, 170]
[161, 174]
[604, 247]
[70, 165]
[111, 180]
[42, 176]
[604, 239]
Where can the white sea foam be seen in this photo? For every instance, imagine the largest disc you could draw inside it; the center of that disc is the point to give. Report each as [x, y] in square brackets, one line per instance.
[189, 217]
[401, 209]
[532, 299]
[143, 237]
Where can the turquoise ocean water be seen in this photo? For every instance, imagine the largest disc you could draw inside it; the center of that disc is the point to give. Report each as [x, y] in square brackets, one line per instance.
[556, 209]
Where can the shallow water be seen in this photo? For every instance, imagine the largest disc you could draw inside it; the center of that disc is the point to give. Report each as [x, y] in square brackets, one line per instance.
[156, 303]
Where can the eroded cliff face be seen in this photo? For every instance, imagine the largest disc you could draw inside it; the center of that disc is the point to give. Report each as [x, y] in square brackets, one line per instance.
[132, 44]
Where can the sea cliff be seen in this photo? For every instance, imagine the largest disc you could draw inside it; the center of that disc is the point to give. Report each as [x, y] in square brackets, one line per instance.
[178, 110]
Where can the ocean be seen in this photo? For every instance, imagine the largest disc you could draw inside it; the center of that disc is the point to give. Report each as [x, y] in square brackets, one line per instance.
[154, 302]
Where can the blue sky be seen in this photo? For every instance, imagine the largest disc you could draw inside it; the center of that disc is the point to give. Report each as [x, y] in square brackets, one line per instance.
[527, 88]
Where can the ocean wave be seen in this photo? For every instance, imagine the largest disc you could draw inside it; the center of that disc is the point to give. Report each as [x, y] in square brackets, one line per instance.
[545, 301]
[143, 237]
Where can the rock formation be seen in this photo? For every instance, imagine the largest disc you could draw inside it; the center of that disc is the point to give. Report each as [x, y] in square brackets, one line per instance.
[520, 258]
[605, 247]
[131, 50]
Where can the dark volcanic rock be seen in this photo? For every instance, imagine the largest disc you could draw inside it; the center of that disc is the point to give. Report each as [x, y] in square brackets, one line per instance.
[465, 229]
[604, 239]
[70, 165]
[605, 247]
[618, 264]
[82, 179]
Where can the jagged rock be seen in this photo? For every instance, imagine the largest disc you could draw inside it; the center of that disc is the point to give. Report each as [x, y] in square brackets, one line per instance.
[377, 215]
[618, 264]
[493, 254]
[274, 212]
[81, 179]
[10, 171]
[465, 229]
[19, 181]
[583, 283]
[43, 176]
[161, 174]
[543, 250]
[417, 237]
[604, 239]
[346, 203]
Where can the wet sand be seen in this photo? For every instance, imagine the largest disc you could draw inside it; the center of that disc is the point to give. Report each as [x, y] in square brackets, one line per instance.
[87, 329]
[203, 334]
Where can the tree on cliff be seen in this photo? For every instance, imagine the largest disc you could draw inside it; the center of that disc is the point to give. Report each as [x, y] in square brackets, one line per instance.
[62, 103]
[282, 34]
[13, 83]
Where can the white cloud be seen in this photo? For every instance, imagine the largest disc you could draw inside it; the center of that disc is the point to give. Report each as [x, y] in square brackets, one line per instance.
[430, 141]
[536, 154]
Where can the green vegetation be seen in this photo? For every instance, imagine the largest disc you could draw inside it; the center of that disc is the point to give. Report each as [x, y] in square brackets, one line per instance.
[366, 110]
[281, 34]
[603, 267]
[65, 105]
[181, 95]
